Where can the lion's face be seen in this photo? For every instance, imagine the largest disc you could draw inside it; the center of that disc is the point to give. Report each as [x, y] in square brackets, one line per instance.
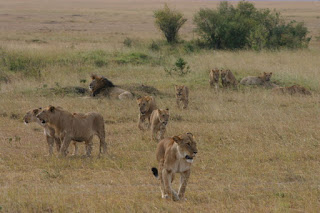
[187, 146]
[45, 115]
[224, 75]
[179, 90]
[267, 76]
[98, 83]
[31, 116]
[163, 116]
[144, 104]
[216, 74]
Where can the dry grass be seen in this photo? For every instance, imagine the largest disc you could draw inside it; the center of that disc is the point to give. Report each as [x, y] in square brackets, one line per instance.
[258, 152]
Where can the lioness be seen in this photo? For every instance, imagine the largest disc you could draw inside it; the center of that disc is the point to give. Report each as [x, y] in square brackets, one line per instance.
[259, 80]
[175, 155]
[214, 76]
[146, 105]
[159, 120]
[228, 79]
[292, 90]
[101, 85]
[77, 127]
[182, 96]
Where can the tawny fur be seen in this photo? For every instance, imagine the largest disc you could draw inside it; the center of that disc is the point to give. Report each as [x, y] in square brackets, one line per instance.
[214, 77]
[146, 106]
[101, 85]
[175, 155]
[51, 137]
[182, 96]
[292, 90]
[228, 79]
[77, 127]
[159, 120]
[257, 80]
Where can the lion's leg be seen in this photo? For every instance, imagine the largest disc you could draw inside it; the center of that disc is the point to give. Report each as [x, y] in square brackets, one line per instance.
[162, 132]
[50, 141]
[141, 121]
[153, 133]
[103, 144]
[183, 183]
[89, 147]
[76, 149]
[163, 195]
[167, 179]
[58, 144]
[65, 145]
[185, 104]
[178, 102]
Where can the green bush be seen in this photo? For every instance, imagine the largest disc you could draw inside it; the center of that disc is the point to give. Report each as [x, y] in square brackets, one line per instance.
[132, 58]
[180, 68]
[245, 26]
[169, 22]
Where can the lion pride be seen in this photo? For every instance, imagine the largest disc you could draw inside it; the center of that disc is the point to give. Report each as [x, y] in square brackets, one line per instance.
[101, 85]
[77, 127]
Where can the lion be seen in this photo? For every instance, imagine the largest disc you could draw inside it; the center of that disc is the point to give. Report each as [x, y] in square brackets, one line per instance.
[159, 120]
[214, 76]
[146, 106]
[257, 80]
[182, 96]
[292, 90]
[101, 85]
[175, 155]
[228, 79]
[31, 116]
[77, 127]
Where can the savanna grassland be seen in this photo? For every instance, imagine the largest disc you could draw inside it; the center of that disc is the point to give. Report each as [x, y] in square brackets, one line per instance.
[258, 151]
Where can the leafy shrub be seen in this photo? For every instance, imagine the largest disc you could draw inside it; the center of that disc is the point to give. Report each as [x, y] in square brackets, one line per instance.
[127, 42]
[99, 58]
[169, 22]
[180, 68]
[132, 58]
[154, 46]
[245, 26]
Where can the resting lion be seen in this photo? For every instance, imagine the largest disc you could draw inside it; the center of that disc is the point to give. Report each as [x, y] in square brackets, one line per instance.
[101, 85]
[159, 120]
[31, 116]
[228, 79]
[293, 90]
[77, 127]
[257, 80]
[182, 96]
[175, 155]
[214, 77]
[146, 106]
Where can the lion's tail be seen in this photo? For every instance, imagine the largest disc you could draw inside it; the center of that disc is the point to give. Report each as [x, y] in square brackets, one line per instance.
[155, 172]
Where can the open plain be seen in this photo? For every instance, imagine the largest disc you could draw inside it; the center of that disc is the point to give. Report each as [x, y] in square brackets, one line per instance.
[257, 151]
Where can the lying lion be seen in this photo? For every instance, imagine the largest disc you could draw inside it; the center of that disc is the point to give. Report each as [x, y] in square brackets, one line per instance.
[175, 155]
[292, 90]
[77, 127]
[257, 80]
[31, 116]
[101, 85]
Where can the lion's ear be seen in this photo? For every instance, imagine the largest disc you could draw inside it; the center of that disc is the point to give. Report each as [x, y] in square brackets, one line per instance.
[189, 133]
[148, 98]
[93, 76]
[167, 109]
[51, 108]
[139, 99]
[270, 73]
[177, 139]
[264, 73]
[35, 111]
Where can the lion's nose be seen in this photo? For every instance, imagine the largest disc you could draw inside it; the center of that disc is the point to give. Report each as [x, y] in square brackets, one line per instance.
[195, 152]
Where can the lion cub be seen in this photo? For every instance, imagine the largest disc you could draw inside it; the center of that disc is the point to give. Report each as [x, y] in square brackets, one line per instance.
[214, 76]
[175, 155]
[159, 120]
[228, 79]
[257, 80]
[182, 95]
[146, 106]
[293, 90]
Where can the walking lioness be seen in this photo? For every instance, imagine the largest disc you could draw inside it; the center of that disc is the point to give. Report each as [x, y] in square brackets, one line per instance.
[77, 127]
[175, 155]
[146, 106]
[182, 96]
[159, 120]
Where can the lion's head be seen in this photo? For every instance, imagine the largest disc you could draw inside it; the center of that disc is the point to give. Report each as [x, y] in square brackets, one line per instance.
[145, 104]
[225, 75]
[180, 90]
[48, 114]
[31, 116]
[163, 116]
[267, 76]
[98, 83]
[215, 73]
[187, 146]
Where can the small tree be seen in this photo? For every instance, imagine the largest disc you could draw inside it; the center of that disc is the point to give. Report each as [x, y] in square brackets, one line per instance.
[169, 22]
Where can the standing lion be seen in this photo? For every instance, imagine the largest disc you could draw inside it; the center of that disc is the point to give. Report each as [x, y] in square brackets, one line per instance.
[146, 106]
[159, 120]
[182, 96]
[214, 77]
[228, 79]
[77, 127]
